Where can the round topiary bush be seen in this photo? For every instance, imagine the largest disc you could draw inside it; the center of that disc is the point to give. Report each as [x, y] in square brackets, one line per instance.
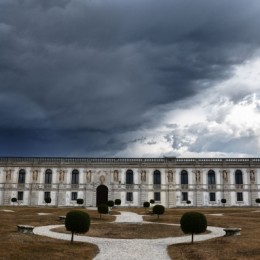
[152, 201]
[158, 210]
[146, 205]
[110, 203]
[188, 202]
[257, 200]
[102, 209]
[223, 201]
[77, 222]
[47, 200]
[117, 202]
[80, 201]
[193, 223]
[14, 199]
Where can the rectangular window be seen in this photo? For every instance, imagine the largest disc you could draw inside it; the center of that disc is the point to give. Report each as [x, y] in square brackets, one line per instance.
[20, 195]
[157, 177]
[75, 177]
[184, 177]
[129, 196]
[184, 196]
[129, 177]
[74, 195]
[157, 196]
[48, 177]
[47, 194]
[21, 177]
[212, 196]
[239, 177]
[239, 196]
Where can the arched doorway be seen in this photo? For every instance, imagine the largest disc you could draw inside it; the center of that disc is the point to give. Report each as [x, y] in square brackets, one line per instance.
[102, 194]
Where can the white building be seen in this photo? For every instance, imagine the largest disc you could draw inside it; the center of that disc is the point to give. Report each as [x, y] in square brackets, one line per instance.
[169, 181]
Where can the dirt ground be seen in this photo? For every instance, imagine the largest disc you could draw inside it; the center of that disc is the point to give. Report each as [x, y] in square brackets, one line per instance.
[15, 245]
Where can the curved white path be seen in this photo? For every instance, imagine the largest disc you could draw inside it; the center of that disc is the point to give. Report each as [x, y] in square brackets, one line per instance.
[128, 217]
[134, 249]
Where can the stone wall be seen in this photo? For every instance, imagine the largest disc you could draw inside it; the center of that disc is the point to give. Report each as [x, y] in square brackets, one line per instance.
[235, 179]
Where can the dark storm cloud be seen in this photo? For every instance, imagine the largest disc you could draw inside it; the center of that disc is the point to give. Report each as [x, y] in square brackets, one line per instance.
[85, 71]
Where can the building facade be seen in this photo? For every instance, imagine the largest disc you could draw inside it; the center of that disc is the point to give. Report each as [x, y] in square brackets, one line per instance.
[169, 181]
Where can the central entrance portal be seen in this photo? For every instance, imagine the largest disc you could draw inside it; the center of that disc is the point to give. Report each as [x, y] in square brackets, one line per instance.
[102, 194]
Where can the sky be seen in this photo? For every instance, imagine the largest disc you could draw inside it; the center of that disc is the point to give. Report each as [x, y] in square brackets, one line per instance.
[113, 78]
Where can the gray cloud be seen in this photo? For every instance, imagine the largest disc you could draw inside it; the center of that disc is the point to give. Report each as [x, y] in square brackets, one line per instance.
[215, 143]
[86, 71]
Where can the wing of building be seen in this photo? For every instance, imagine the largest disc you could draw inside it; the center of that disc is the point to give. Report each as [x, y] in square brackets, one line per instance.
[171, 182]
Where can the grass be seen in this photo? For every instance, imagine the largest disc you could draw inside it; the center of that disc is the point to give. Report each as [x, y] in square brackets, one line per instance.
[245, 246]
[130, 231]
[16, 245]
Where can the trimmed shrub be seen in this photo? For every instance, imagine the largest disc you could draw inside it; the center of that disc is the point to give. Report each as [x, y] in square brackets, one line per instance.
[223, 201]
[117, 202]
[158, 210]
[152, 201]
[188, 202]
[14, 200]
[80, 201]
[47, 200]
[110, 203]
[146, 205]
[257, 200]
[77, 222]
[102, 209]
[193, 223]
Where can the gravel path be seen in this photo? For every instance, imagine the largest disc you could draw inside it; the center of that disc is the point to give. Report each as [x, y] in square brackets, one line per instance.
[128, 217]
[129, 249]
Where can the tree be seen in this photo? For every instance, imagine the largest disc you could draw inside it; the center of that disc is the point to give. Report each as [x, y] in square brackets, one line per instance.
[257, 200]
[188, 202]
[102, 209]
[146, 205]
[47, 200]
[158, 210]
[193, 223]
[77, 222]
[110, 203]
[80, 201]
[14, 200]
[117, 202]
[152, 201]
[223, 201]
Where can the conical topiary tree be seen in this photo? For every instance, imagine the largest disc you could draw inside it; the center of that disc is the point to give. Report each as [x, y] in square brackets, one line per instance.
[193, 223]
[158, 210]
[77, 222]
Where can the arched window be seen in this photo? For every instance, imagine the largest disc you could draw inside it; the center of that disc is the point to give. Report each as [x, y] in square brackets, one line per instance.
[129, 177]
[211, 177]
[184, 177]
[238, 177]
[157, 177]
[21, 177]
[75, 177]
[48, 176]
